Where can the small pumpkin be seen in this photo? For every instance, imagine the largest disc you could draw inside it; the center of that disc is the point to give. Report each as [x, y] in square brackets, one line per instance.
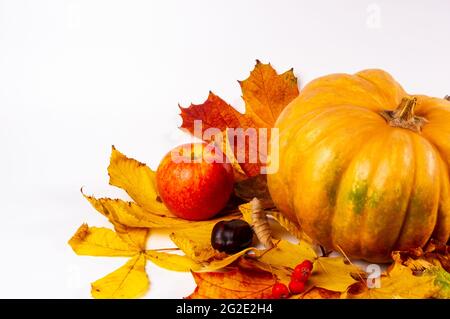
[363, 166]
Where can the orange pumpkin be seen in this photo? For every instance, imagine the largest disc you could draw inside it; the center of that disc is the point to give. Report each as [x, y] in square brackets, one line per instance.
[364, 166]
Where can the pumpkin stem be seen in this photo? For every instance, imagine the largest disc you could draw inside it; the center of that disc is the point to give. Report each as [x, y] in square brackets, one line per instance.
[405, 111]
[447, 97]
[403, 116]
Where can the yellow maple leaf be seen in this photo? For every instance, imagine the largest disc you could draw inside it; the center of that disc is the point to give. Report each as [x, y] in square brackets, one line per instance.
[131, 214]
[333, 273]
[287, 254]
[135, 237]
[418, 259]
[172, 261]
[129, 281]
[95, 241]
[290, 226]
[195, 241]
[222, 263]
[441, 280]
[138, 180]
[398, 283]
[320, 293]
[432, 261]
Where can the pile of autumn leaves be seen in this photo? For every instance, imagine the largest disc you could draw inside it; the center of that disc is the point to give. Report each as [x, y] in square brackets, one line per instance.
[252, 272]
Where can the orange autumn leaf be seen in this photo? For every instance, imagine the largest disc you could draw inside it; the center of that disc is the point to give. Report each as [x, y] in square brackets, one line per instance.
[265, 93]
[238, 283]
[214, 113]
[320, 293]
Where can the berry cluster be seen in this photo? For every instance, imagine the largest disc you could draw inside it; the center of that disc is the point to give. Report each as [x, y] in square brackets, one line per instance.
[299, 277]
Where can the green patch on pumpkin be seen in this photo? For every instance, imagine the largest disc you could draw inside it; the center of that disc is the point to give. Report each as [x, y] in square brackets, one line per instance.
[335, 172]
[358, 196]
[332, 189]
[374, 199]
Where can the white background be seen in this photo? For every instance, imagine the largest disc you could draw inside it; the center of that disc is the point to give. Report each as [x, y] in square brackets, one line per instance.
[79, 76]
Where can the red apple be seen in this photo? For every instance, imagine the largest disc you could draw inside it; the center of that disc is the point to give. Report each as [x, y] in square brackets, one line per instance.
[194, 181]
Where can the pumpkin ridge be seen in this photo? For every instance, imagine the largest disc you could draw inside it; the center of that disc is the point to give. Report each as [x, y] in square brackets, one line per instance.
[332, 199]
[369, 181]
[387, 103]
[340, 187]
[299, 130]
[345, 88]
[443, 171]
[383, 104]
[365, 212]
[393, 97]
[296, 131]
[421, 144]
[413, 183]
[442, 235]
[373, 123]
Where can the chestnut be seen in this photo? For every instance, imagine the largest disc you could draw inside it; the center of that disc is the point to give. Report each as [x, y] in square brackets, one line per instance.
[231, 236]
